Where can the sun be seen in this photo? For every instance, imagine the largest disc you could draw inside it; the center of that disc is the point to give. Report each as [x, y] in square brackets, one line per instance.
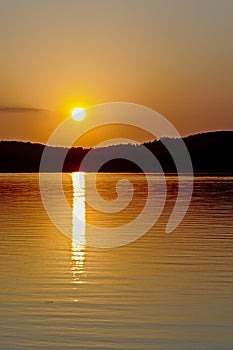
[78, 113]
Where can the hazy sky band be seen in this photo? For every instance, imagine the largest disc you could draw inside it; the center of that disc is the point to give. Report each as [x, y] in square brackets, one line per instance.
[173, 56]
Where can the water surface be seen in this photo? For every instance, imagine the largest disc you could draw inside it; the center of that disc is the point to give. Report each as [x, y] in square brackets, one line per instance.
[159, 292]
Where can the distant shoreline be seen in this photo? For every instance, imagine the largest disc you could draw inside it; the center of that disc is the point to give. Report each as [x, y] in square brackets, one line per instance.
[211, 154]
[123, 172]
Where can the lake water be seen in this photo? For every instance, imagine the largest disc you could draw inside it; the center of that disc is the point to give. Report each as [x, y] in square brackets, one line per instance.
[159, 292]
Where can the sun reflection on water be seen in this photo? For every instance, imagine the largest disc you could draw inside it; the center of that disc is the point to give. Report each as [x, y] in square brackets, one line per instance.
[79, 228]
[79, 209]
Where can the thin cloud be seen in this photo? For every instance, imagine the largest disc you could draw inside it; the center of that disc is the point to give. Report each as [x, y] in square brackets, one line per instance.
[7, 109]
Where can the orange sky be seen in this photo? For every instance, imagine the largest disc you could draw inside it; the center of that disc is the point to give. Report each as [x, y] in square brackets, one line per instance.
[172, 56]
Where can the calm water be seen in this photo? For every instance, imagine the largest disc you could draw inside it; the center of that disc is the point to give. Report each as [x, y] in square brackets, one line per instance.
[160, 292]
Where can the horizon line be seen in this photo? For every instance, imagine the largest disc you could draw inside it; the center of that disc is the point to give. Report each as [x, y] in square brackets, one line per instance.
[118, 144]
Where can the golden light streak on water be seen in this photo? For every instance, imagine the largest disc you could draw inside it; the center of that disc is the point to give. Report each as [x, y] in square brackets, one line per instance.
[79, 210]
[78, 227]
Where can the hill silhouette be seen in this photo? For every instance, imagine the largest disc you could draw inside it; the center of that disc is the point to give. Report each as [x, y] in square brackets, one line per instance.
[210, 153]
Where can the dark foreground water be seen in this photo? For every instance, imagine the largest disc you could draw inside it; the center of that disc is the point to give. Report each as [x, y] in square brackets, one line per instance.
[160, 292]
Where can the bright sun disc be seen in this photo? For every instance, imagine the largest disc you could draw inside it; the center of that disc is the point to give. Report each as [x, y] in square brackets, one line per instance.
[78, 113]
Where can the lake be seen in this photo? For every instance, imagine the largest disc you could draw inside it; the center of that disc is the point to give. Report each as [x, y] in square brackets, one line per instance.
[162, 291]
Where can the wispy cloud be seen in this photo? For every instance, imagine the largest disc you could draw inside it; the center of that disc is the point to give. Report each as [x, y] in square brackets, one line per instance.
[10, 109]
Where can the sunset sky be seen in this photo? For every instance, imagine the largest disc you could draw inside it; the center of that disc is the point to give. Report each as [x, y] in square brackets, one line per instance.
[172, 56]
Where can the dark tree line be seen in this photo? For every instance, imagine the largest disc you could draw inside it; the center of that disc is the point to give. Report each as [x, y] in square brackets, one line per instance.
[210, 153]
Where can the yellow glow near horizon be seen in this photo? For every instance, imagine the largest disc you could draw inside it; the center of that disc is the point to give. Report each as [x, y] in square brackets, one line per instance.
[78, 113]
